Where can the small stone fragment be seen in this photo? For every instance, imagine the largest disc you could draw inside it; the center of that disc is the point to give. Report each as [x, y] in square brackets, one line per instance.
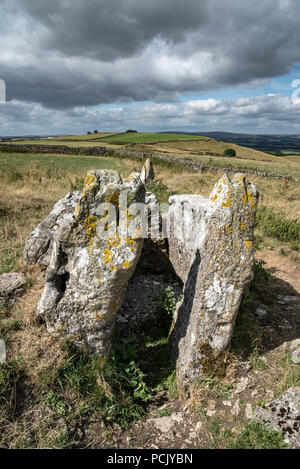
[11, 286]
[2, 352]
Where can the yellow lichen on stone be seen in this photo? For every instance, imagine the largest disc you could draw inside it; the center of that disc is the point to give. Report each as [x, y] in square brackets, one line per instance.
[90, 225]
[126, 265]
[227, 203]
[242, 225]
[76, 211]
[89, 183]
[248, 244]
[113, 240]
[112, 198]
[213, 198]
[130, 241]
[249, 198]
[107, 256]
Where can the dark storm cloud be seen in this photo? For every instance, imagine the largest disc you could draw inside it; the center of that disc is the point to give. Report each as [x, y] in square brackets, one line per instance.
[108, 30]
[69, 52]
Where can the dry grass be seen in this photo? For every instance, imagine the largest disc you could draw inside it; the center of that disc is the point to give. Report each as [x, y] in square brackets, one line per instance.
[209, 145]
[30, 186]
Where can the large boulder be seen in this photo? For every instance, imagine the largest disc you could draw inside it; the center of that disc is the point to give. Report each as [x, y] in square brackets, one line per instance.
[211, 249]
[91, 258]
[283, 414]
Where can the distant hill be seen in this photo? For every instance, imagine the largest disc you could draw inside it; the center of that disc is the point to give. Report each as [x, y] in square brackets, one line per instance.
[5, 138]
[267, 143]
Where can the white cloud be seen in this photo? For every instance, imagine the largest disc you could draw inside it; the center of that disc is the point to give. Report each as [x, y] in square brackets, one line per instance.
[267, 113]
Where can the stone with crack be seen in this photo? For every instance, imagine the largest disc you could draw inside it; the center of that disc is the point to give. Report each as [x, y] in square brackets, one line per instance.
[211, 249]
[91, 259]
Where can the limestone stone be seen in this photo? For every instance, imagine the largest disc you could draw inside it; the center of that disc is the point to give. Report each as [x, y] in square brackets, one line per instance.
[11, 285]
[38, 247]
[211, 249]
[89, 263]
[283, 414]
[147, 173]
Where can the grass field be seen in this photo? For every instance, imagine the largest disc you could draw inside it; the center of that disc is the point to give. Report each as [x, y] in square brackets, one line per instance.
[140, 137]
[200, 149]
[48, 390]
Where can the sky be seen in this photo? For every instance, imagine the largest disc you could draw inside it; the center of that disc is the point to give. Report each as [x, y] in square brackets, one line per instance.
[72, 66]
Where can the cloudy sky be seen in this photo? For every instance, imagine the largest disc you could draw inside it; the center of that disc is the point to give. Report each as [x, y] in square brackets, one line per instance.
[154, 65]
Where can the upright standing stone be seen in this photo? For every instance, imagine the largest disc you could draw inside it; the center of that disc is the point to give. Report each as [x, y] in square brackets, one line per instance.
[216, 263]
[147, 173]
[89, 268]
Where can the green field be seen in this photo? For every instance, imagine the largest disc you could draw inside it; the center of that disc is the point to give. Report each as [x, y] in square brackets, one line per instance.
[140, 137]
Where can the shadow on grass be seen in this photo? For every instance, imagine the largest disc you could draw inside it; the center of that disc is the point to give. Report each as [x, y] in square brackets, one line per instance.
[268, 317]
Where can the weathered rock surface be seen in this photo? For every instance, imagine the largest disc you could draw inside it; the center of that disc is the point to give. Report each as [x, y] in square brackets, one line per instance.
[283, 414]
[214, 257]
[39, 244]
[88, 269]
[147, 173]
[11, 286]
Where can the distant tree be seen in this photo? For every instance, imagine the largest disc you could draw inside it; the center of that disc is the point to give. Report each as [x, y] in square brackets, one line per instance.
[230, 152]
[133, 131]
[88, 132]
[278, 153]
[95, 131]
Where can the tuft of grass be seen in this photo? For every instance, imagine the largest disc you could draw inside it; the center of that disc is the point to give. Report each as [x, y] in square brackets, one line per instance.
[214, 387]
[215, 426]
[165, 413]
[11, 373]
[64, 440]
[54, 402]
[290, 378]
[274, 224]
[253, 435]
[258, 363]
[117, 390]
[161, 191]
